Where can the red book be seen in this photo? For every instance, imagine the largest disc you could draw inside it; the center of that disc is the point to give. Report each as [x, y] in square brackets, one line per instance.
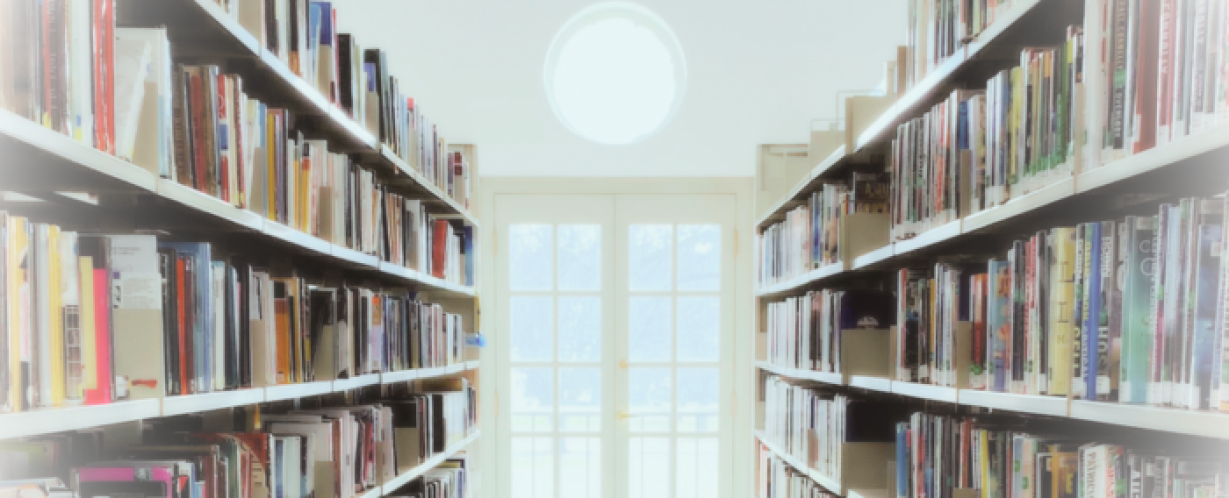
[1165, 69]
[223, 123]
[185, 339]
[197, 97]
[439, 244]
[1146, 77]
[104, 79]
[101, 394]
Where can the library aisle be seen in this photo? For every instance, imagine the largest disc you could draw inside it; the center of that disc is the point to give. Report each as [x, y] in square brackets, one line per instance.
[873, 249]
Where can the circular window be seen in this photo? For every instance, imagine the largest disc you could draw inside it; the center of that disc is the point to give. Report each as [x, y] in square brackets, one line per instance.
[615, 73]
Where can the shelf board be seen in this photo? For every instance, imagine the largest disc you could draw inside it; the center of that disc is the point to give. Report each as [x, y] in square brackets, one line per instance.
[824, 481]
[356, 382]
[871, 383]
[832, 378]
[48, 155]
[941, 233]
[436, 283]
[808, 278]
[874, 257]
[866, 493]
[1049, 194]
[354, 257]
[924, 391]
[1196, 423]
[803, 185]
[1155, 158]
[1023, 403]
[472, 365]
[192, 403]
[431, 373]
[69, 418]
[292, 391]
[375, 492]
[398, 376]
[398, 482]
[390, 158]
[919, 98]
[294, 237]
[209, 204]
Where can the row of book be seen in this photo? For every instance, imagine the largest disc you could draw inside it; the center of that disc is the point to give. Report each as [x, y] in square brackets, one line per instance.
[338, 451]
[980, 148]
[304, 35]
[778, 479]
[810, 236]
[194, 319]
[804, 332]
[1164, 72]
[1127, 310]
[812, 424]
[936, 30]
[938, 456]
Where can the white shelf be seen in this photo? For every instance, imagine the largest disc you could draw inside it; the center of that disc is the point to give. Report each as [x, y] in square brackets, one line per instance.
[396, 483]
[1046, 195]
[398, 376]
[824, 481]
[1208, 424]
[297, 238]
[71, 151]
[941, 233]
[292, 391]
[803, 280]
[924, 391]
[375, 492]
[192, 403]
[354, 257]
[866, 493]
[431, 373]
[208, 204]
[231, 26]
[832, 378]
[871, 383]
[1155, 158]
[356, 382]
[874, 257]
[69, 418]
[1023, 403]
[472, 365]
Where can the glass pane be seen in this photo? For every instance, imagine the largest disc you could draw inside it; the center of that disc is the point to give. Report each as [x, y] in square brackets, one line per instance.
[697, 399]
[580, 256]
[696, 468]
[699, 328]
[531, 328]
[648, 467]
[648, 332]
[580, 399]
[529, 256]
[580, 329]
[533, 467]
[580, 467]
[532, 399]
[649, 399]
[699, 257]
[649, 256]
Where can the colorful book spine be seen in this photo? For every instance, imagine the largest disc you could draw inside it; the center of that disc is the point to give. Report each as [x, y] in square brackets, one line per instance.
[1062, 302]
[999, 323]
[1138, 321]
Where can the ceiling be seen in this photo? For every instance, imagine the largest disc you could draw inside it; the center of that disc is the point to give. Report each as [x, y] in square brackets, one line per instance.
[758, 72]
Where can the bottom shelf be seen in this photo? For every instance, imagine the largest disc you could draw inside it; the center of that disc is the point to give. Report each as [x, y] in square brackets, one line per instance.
[431, 463]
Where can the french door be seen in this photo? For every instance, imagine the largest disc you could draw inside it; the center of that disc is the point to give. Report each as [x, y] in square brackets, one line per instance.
[615, 319]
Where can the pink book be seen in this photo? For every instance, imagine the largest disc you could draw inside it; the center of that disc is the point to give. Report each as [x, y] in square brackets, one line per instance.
[102, 340]
[156, 473]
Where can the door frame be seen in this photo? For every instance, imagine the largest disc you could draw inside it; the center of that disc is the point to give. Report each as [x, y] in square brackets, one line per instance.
[493, 404]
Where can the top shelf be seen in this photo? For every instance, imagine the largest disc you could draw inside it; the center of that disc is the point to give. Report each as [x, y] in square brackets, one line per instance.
[201, 29]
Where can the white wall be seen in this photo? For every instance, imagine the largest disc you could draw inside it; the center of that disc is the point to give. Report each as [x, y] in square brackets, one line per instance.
[759, 71]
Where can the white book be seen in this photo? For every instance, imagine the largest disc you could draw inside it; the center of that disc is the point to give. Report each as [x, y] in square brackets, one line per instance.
[132, 66]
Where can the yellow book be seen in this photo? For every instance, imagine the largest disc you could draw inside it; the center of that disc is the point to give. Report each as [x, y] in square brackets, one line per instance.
[18, 310]
[56, 322]
[1062, 301]
[271, 167]
[85, 267]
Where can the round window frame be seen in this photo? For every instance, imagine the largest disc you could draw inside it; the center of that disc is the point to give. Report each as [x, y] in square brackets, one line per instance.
[638, 14]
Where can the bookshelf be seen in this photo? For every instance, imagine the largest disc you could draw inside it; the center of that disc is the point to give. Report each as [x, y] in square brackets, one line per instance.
[1101, 186]
[130, 198]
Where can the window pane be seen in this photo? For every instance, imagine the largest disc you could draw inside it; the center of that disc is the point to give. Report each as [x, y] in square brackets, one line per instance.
[580, 329]
[699, 257]
[529, 255]
[648, 467]
[699, 328]
[696, 468]
[532, 399]
[533, 467]
[649, 332]
[580, 399]
[580, 255]
[649, 256]
[531, 328]
[649, 399]
[580, 467]
[697, 399]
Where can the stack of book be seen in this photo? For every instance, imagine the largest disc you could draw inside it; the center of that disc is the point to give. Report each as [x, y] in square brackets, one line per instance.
[340, 451]
[195, 320]
[938, 455]
[447, 480]
[937, 29]
[928, 307]
[778, 479]
[804, 332]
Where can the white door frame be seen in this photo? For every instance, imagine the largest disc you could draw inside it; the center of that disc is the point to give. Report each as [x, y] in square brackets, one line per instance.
[493, 404]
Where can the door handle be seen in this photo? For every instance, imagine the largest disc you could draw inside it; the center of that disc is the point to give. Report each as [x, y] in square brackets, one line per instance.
[623, 364]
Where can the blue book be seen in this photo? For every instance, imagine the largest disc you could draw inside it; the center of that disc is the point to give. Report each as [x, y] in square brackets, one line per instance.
[1092, 315]
[998, 322]
[1207, 280]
